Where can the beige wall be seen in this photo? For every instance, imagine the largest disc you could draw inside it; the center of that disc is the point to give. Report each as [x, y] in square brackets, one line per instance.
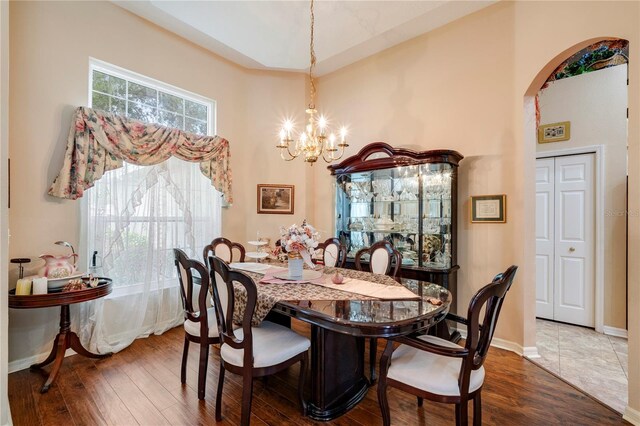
[469, 86]
[51, 43]
[596, 105]
[464, 87]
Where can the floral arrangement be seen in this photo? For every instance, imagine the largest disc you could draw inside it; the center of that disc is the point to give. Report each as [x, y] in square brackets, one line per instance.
[303, 238]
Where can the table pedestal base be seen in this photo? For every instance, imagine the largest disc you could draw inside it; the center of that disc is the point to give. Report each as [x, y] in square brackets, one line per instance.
[64, 340]
[338, 381]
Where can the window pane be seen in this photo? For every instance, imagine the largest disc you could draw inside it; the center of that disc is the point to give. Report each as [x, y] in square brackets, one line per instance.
[171, 103]
[142, 94]
[118, 106]
[142, 112]
[195, 126]
[100, 101]
[171, 119]
[195, 110]
[117, 86]
[100, 82]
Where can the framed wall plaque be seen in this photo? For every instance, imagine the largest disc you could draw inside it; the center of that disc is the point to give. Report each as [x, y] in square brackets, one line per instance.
[554, 132]
[489, 208]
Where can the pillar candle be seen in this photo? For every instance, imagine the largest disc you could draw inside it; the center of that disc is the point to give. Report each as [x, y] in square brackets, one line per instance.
[40, 285]
[23, 287]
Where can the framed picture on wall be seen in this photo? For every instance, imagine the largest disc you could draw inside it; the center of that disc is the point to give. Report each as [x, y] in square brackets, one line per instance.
[489, 208]
[275, 199]
[554, 132]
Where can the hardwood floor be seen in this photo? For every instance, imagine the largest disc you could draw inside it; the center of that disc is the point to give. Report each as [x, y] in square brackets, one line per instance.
[141, 385]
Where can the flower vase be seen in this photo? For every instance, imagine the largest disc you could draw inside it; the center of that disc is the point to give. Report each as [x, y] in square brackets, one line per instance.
[295, 264]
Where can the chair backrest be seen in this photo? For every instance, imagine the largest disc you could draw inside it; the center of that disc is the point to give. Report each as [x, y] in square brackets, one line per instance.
[223, 249]
[383, 259]
[489, 297]
[185, 268]
[224, 301]
[333, 253]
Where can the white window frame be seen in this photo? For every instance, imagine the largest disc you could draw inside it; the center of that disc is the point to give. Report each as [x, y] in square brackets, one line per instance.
[107, 68]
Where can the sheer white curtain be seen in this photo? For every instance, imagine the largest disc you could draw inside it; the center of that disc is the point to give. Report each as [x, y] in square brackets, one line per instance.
[137, 215]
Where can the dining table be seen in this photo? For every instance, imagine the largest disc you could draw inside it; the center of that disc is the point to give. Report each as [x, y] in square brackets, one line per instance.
[342, 318]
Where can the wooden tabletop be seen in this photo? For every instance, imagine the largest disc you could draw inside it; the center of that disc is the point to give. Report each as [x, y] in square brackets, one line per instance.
[60, 297]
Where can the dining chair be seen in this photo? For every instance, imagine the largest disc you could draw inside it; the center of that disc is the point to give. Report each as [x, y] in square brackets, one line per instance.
[251, 351]
[334, 253]
[199, 319]
[224, 249]
[384, 259]
[440, 370]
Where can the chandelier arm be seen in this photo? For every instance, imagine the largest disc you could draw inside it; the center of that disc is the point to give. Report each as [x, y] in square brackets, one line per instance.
[291, 156]
[295, 154]
[332, 156]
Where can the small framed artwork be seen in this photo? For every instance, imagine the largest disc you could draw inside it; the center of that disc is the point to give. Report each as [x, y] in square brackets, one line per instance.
[275, 199]
[489, 208]
[554, 132]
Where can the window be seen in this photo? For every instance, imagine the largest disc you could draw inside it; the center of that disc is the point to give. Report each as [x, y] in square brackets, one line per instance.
[137, 215]
[122, 92]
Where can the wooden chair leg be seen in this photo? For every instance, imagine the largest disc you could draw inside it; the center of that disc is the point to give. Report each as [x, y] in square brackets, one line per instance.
[202, 370]
[373, 351]
[301, 379]
[383, 402]
[247, 396]
[420, 401]
[477, 410]
[462, 418]
[185, 353]
[219, 393]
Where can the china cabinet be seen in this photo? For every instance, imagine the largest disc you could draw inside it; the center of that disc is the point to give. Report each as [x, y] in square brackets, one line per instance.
[406, 197]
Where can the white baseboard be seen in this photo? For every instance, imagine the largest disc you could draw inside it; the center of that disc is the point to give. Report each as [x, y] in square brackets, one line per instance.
[509, 346]
[21, 364]
[531, 352]
[613, 331]
[632, 416]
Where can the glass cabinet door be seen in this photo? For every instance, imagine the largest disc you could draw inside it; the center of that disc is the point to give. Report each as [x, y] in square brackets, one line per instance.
[436, 181]
[380, 205]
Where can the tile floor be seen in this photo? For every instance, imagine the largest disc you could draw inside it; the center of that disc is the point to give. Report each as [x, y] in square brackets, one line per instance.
[593, 362]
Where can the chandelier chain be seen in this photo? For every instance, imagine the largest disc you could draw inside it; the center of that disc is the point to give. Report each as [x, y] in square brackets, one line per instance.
[312, 64]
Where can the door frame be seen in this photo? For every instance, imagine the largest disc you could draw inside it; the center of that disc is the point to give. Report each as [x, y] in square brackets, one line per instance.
[599, 152]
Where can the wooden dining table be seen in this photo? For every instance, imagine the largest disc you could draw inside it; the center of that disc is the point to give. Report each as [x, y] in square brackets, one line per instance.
[341, 322]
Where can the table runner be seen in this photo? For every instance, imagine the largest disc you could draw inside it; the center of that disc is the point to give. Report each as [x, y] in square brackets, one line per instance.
[270, 294]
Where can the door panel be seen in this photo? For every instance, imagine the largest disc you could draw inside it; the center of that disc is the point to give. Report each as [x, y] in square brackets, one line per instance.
[545, 200]
[571, 292]
[574, 288]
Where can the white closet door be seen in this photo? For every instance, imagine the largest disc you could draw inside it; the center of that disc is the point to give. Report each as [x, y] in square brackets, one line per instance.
[545, 241]
[574, 289]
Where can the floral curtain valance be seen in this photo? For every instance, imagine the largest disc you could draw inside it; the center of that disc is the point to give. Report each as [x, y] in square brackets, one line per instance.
[99, 141]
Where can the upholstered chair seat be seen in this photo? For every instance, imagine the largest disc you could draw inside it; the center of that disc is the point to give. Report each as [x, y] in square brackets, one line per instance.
[430, 372]
[193, 328]
[272, 345]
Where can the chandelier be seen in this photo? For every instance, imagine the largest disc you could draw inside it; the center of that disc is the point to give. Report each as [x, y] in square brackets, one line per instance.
[316, 140]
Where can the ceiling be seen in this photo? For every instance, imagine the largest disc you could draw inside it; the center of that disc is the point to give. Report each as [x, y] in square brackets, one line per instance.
[275, 34]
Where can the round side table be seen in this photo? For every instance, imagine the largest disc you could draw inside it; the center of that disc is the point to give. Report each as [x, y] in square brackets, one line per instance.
[66, 338]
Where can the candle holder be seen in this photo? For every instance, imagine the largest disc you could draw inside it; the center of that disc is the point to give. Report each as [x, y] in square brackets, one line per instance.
[20, 261]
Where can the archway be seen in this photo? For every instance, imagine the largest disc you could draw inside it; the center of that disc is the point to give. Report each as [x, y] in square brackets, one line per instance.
[531, 123]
